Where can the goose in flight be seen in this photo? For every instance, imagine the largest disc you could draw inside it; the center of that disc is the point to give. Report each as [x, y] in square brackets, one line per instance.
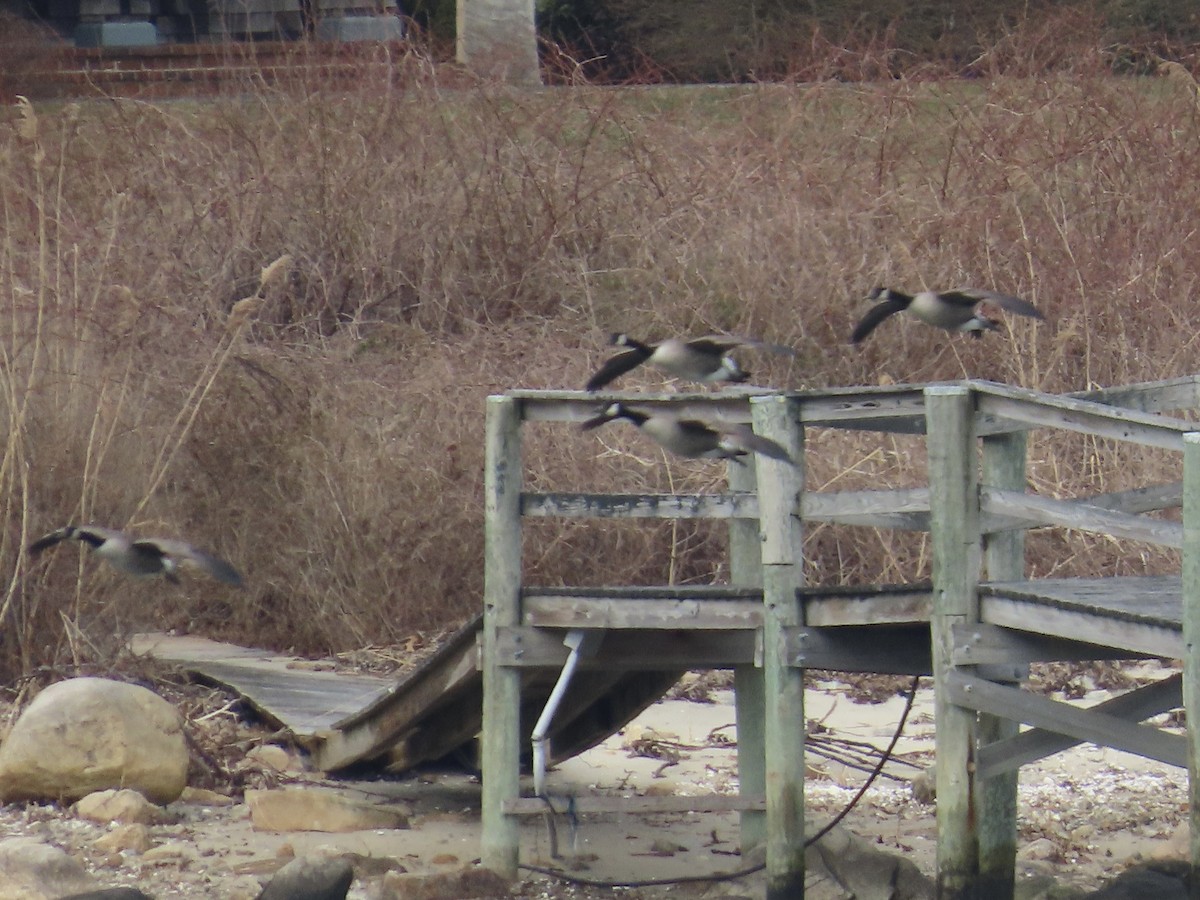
[704, 359]
[692, 438]
[963, 309]
[141, 556]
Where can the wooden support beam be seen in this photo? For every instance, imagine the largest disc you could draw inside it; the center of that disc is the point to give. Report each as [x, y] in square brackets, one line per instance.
[733, 505]
[1190, 590]
[1004, 559]
[1052, 715]
[906, 509]
[1032, 408]
[530, 647]
[749, 679]
[1079, 516]
[592, 611]
[1008, 754]
[883, 650]
[779, 488]
[954, 512]
[589, 805]
[984, 644]
[501, 739]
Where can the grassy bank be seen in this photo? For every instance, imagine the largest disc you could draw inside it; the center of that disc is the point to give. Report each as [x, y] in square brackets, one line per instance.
[445, 245]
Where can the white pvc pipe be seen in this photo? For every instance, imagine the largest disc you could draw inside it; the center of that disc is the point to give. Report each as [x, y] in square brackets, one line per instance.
[540, 738]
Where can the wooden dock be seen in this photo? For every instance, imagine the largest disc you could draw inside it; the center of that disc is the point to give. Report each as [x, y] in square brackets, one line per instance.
[976, 629]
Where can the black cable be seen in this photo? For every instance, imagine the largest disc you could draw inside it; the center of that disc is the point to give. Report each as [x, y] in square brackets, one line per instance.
[742, 873]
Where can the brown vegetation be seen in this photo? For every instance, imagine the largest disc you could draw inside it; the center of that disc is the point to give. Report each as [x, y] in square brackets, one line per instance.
[444, 245]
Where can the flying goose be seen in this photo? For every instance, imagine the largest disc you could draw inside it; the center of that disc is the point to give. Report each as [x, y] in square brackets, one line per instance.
[691, 437]
[141, 556]
[704, 359]
[963, 309]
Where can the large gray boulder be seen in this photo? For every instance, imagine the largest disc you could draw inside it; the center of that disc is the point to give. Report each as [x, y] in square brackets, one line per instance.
[33, 870]
[90, 734]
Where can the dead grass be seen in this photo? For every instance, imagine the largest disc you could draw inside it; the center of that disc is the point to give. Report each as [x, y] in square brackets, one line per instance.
[445, 245]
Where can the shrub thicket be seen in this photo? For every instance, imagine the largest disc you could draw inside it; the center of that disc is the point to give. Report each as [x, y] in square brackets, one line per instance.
[444, 245]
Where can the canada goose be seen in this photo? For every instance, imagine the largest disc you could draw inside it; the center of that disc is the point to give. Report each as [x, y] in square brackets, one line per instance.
[958, 310]
[141, 556]
[691, 437]
[704, 359]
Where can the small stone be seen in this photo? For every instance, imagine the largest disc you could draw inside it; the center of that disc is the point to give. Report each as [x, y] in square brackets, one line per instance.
[465, 884]
[134, 837]
[310, 878]
[118, 806]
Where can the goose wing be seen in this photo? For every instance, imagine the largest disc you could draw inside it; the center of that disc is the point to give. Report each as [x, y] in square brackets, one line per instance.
[72, 532]
[1006, 302]
[184, 553]
[615, 367]
[743, 437]
[874, 316]
[722, 343]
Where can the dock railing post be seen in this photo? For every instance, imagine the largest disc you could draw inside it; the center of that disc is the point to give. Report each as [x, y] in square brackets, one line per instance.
[1004, 558]
[745, 568]
[954, 526]
[500, 757]
[1191, 641]
[779, 491]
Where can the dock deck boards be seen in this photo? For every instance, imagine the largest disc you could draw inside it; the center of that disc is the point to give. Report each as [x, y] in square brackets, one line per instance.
[435, 709]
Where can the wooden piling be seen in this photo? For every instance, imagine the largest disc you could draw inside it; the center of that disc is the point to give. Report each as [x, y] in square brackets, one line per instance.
[1191, 641]
[954, 526]
[779, 490]
[1004, 557]
[745, 568]
[501, 741]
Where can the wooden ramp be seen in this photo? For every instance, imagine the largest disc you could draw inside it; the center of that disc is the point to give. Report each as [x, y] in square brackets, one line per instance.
[429, 713]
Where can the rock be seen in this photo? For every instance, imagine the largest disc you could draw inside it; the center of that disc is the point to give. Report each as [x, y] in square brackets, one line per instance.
[204, 797]
[88, 734]
[464, 884]
[272, 757]
[32, 870]
[924, 786]
[314, 809]
[121, 893]
[864, 871]
[134, 837]
[310, 878]
[118, 806]
[1177, 847]
[1160, 881]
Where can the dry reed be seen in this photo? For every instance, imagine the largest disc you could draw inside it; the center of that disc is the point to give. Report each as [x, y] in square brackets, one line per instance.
[448, 244]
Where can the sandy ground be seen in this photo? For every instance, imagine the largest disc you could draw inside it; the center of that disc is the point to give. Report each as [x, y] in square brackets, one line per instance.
[1084, 814]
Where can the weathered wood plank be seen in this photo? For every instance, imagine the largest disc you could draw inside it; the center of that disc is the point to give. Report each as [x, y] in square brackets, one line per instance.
[1189, 590]
[904, 508]
[307, 702]
[879, 649]
[1004, 559]
[780, 487]
[1092, 626]
[1084, 724]
[1080, 516]
[749, 681]
[623, 613]
[866, 605]
[412, 704]
[957, 560]
[1148, 396]
[501, 740]
[590, 805]
[1048, 410]
[985, 644]
[731, 404]
[528, 647]
[1037, 743]
[1137, 500]
[640, 506]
